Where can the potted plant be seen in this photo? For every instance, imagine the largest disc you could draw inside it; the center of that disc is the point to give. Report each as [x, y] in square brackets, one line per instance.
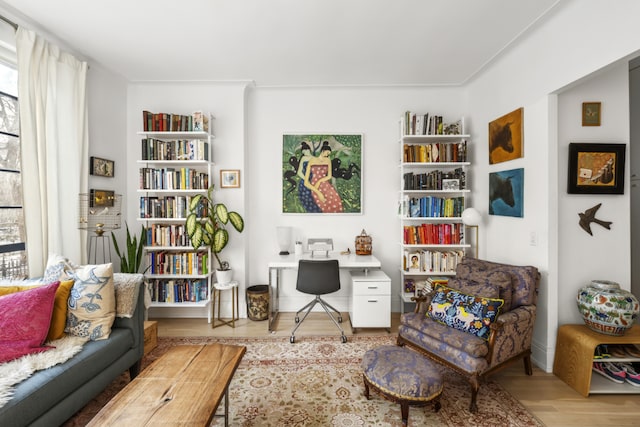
[131, 259]
[206, 226]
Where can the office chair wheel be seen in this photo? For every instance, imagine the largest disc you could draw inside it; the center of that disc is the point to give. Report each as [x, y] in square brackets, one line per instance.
[297, 319]
[339, 319]
[343, 339]
[292, 339]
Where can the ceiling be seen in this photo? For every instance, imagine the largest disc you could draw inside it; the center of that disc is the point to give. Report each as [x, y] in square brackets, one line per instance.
[288, 42]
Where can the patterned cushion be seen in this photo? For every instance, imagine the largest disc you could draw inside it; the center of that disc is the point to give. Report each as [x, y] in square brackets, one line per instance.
[402, 373]
[24, 321]
[464, 312]
[92, 304]
[59, 316]
[57, 269]
[497, 285]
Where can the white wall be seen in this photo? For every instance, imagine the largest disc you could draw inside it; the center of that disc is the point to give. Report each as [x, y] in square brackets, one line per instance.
[373, 112]
[529, 74]
[605, 255]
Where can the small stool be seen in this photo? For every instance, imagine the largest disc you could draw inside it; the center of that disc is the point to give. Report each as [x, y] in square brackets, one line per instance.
[217, 288]
[402, 376]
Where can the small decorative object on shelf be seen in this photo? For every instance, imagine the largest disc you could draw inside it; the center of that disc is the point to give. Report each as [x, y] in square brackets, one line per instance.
[606, 308]
[363, 243]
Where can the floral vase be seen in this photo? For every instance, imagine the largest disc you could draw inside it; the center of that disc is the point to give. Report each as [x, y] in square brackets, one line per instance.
[606, 308]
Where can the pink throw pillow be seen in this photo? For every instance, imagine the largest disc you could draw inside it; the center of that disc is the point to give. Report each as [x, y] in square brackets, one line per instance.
[24, 321]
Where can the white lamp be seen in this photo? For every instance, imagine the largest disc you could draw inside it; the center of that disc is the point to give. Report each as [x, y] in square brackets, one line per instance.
[284, 239]
[471, 218]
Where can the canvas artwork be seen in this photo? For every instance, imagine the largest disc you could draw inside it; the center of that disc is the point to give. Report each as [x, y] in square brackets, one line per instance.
[322, 173]
[506, 137]
[506, 193]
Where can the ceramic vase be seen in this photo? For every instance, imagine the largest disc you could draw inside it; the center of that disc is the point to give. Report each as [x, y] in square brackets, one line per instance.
[223, 277]
[606, 308]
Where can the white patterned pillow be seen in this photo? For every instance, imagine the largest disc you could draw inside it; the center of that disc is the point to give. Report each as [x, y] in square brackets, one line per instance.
[57, 269]
[92, 303]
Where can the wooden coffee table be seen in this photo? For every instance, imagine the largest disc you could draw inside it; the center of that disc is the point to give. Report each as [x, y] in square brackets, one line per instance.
[183, 387]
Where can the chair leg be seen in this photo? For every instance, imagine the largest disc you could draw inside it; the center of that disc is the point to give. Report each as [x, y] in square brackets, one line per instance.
[326, 304]
[528, 369]
[308, 307]
[326, 308]
[475, 386]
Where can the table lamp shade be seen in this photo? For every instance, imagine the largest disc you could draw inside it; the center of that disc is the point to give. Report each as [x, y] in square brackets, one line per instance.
[471, 217]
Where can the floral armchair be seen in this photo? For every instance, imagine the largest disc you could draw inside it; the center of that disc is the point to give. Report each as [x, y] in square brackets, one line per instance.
[501, 299]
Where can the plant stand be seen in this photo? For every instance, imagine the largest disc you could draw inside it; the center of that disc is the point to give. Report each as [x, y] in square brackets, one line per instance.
[217, 289]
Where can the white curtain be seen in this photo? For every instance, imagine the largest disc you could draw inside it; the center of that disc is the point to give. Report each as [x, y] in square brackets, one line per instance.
[54, 142]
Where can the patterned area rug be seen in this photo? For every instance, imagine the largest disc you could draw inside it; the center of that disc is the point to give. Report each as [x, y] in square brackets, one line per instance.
[318, 382]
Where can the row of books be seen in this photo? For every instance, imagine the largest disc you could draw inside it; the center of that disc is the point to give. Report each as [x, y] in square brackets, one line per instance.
[435, 180]
[180, 149]
[433, 234]
[434, 207]
[435, 152]
[429, 124]
[173, 179]
[164, 262]
[167, 207]
[166, 122]
[423, 287]
[427, 261]
[167, 235]
[183, 290]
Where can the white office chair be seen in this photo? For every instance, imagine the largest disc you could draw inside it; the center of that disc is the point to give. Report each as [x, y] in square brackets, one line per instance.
[318, 278]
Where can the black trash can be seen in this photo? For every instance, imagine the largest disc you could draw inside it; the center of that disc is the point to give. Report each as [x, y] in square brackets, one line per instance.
[258, 302]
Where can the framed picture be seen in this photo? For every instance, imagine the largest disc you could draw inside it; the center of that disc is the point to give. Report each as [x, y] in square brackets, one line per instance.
[591, 114]
[322, 173]
[101, 198]
[101, 167]
[506, 137]
[506, 193]
[414, 262]
[451, 184]
[596, 168]
[230, 178]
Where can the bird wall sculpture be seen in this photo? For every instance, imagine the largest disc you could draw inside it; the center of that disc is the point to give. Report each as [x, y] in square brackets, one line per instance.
[589, 216]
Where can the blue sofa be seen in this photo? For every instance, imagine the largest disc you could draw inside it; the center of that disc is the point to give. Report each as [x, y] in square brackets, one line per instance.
[51, 396]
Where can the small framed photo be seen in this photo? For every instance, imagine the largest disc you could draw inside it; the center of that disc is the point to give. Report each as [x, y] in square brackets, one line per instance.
[591, 114]
[414, 262]
[451, 184]
[101, 167]
[101, 198]
[596, 168]
[230, 178]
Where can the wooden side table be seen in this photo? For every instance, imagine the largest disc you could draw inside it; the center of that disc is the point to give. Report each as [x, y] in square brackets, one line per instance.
[217, 289]
[575, 349]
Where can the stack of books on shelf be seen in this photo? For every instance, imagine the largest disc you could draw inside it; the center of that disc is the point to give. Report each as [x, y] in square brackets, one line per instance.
[179, 290]
[435, 207]
[164, 207]
[178, 263]
[435, 180]
[173, 179]
[433, 234]
[181, 149]
[163, 122]
[430, 124]
[167, 235]
[432, 261]
[435, 152]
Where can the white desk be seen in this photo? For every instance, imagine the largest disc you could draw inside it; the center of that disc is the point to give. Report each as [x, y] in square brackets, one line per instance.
[283, 262]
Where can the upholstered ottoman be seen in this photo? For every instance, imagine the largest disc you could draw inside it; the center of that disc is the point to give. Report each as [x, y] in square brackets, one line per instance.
[402, 376]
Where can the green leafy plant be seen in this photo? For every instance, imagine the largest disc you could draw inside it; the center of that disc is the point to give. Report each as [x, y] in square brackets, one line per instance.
[131, 259]
[206, 224]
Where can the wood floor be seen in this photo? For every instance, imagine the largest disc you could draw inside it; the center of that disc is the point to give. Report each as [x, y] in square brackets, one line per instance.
[546, 396]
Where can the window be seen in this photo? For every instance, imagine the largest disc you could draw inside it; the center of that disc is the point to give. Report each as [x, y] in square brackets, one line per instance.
[13, 256]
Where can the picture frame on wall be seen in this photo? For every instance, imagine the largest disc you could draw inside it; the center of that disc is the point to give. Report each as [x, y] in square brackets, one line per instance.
[101, 167]
[506, 137]
[596, 168]
[230, 178]
[322, 173]
[506, 193]
[591, 113]
[101, 198]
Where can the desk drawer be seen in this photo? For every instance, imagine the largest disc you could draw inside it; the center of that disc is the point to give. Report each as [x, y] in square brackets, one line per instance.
[371, 288]
[371, 311]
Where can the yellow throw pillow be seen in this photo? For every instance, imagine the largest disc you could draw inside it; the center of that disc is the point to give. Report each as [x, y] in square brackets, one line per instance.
[59, 316]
